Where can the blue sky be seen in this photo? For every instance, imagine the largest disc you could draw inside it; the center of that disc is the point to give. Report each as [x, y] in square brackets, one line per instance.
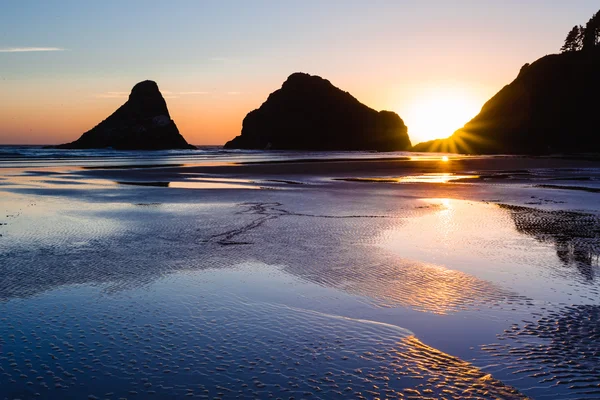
[386, 53]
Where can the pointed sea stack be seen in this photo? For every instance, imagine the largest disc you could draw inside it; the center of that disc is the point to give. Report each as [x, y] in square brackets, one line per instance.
[552, 107]
[309, 113]
[142, 123]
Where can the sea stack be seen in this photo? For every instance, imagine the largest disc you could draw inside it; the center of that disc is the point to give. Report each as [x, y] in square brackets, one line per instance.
[142, 123]
[553, 106]
[309, 113]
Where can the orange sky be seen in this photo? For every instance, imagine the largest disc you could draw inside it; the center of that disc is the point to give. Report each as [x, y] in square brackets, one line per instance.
[65, 67]
[58, 112]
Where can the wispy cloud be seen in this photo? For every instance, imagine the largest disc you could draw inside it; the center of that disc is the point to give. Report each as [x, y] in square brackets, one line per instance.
[192, 93]
[167, 94]
[113, 95]
[28, 49]
[233, 93]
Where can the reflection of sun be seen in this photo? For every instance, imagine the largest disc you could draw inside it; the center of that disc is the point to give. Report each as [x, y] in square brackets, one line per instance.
[438, 112]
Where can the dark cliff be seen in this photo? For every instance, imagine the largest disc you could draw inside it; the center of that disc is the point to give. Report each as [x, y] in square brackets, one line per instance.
[142, 123]
[309, 113]
[553, 106]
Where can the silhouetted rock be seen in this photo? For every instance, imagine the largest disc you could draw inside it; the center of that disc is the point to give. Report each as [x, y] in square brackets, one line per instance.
[553, 106]
[142, 123]
[309, 113]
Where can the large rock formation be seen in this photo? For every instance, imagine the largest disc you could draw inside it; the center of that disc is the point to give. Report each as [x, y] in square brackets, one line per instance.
[142, 123]
[553, 106]
[309, 113]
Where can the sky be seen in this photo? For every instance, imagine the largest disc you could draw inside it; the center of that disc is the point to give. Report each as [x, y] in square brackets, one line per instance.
[67, 65]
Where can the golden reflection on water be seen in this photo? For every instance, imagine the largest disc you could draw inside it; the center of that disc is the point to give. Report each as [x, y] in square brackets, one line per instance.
[447, 258]
[434, 178]
[424, 178]
[478, 242]
[424, 157]
[447, 224]
[208, 184]
[436, 289]
[451, 375]
[455, 231]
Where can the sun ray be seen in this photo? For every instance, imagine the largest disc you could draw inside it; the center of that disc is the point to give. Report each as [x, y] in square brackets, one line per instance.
[438, 112]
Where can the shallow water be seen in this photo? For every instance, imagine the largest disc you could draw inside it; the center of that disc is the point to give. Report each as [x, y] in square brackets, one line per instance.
[201, 335]
[425, 178]
[309, 287]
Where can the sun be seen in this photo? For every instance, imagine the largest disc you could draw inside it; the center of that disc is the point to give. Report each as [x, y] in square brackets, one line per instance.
[436, 113]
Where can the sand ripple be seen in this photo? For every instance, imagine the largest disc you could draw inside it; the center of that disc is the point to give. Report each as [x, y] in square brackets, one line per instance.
[180, 343]
[559, 350]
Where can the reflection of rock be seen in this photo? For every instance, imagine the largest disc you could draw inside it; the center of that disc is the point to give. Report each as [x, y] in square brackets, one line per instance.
[575, 236]
[142, 123]
[309, 113]
[551, 107]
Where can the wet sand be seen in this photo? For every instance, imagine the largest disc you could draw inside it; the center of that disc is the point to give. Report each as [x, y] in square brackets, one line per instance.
[388, 166]
[280, 279]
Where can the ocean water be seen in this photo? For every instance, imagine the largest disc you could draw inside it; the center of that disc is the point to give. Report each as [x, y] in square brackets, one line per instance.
[138, 274]
[38, 156]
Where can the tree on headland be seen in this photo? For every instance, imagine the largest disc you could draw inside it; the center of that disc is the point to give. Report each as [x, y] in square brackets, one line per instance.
[574, 40]
[583, 38]
[591, 34]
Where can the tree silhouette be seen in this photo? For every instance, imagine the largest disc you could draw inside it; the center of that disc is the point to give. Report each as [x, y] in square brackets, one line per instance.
[591, 35]
[574, 40]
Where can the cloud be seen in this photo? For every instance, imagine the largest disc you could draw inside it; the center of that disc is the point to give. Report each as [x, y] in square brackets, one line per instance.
[174, 95]
[192, 93]
[113, 95]
[167, 94]
[28, 49]
[233, 93]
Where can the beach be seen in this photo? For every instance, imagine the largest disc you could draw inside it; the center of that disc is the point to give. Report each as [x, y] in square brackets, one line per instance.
[238, 274]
